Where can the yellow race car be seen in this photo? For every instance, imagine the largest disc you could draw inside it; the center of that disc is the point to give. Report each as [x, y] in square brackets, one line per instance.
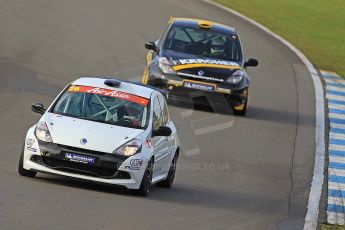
[197, 56]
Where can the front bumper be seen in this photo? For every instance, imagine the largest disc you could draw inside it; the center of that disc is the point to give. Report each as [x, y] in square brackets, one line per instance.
[180, 88]
[108, 168]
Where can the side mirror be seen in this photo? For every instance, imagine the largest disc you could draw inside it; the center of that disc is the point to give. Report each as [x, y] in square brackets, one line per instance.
[151, 46]
[38, 108]
[251, 62]
[163, 131]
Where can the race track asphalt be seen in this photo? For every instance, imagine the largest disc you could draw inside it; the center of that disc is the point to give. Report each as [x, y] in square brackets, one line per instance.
[234, 173]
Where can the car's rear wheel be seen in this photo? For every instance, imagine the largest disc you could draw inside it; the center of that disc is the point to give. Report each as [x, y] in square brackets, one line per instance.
[22, 171]
[167, 183]
[146, 182]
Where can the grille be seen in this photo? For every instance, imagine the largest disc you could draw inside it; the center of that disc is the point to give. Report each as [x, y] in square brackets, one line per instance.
[105, 170]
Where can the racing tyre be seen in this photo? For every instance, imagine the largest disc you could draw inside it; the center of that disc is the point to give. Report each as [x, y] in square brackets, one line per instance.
[146, 182]
[167, 183]
[241, 112]
[242, 109]
[22, 171]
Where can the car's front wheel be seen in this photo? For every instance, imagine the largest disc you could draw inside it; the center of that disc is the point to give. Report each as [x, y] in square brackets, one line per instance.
[146, 182]
[21, 170]
[241, 110]
[167, 183]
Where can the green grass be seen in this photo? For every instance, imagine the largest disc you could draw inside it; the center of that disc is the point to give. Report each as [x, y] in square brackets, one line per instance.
[331, 227]
[316, 27]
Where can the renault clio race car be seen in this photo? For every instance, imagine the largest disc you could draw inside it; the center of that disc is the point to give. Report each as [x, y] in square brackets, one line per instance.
[196, 56]
[107, 131]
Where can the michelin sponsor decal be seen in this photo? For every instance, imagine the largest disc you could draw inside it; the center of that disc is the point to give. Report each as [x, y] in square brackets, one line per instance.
[204, 87]
[80, 158]
[202, 61]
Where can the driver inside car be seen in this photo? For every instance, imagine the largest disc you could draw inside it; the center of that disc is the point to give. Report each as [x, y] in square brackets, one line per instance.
[130, 111]
[218, 48]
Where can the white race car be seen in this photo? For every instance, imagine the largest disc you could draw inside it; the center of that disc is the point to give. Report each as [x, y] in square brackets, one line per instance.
[107, 131]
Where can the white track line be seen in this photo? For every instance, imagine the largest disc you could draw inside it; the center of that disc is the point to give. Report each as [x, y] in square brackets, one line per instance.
[336, 147]
[337, 159]
[316, 185]
[335, 115]
[335, 88]
[214, 128]
[337, 126]
[340, 136]
[336, 200]
[336, 172]
[334, 106]
[339, 81]
[335, 97]
[330, 73]
[336, 186]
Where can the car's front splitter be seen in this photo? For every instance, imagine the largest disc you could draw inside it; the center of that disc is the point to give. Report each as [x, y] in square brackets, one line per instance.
[134, 166]
[180, 88]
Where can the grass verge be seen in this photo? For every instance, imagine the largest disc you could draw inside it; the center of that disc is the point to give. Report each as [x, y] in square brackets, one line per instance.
[331, 227]
[316, 27]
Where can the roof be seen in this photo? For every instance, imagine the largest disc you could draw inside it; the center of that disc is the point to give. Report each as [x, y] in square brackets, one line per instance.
[193, 22]
[126, 86]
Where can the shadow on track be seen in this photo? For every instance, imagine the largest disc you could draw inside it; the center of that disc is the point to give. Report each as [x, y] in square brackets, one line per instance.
[204, 197]
[201, 104]
[279, 116]
[253, 112]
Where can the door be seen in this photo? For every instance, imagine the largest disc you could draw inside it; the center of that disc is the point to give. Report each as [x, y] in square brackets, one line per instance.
[169, 141]
[159, 143]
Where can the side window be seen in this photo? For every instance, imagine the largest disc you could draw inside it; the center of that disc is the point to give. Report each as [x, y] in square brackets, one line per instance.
[157, 114]
[165, 112]
[161, 38]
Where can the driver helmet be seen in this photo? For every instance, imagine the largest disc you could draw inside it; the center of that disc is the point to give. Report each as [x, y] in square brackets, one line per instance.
[133, 109]
[217, 46]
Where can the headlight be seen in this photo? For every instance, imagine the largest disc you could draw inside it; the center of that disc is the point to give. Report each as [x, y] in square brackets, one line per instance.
[165, 65]
[42, 132]
[130, 148]
[235, 77]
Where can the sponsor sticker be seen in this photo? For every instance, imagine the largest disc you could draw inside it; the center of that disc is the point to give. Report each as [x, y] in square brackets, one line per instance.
[148, 143]
[29, 143]
[32, 149]
[80, 158]
[109, 93]
[129, 167]
[202, 61]
[194, 85]
[135, 164]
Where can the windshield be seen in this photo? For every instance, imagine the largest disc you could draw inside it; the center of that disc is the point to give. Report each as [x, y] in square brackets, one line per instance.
[204, 43]
[103, 105]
